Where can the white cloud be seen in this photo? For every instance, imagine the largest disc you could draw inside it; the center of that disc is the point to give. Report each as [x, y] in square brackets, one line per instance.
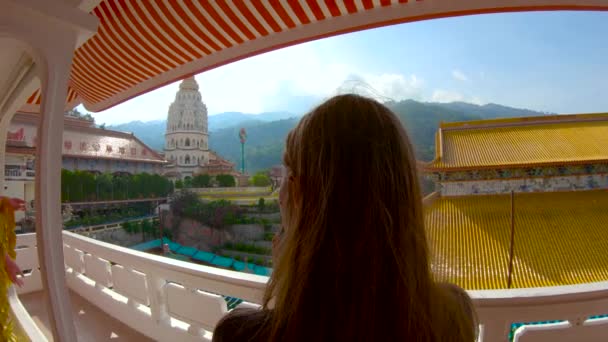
[383, 86]
[396, 86]
[441, 95]
[459, 75]
[477, 100]
[268, 82]
[293, 79]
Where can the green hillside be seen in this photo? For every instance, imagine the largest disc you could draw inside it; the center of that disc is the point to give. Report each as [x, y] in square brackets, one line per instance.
[266, 138]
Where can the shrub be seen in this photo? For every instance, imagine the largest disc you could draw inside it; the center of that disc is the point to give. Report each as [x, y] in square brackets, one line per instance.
[260, 179]
[225, 180]
[201, 181]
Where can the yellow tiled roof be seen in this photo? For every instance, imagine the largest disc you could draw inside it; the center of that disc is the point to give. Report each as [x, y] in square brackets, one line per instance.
[560, 239]
[523, 141]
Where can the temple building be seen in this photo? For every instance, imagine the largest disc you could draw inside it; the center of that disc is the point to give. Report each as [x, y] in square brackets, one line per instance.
[545, 176]
[85, 148]
[187, 138]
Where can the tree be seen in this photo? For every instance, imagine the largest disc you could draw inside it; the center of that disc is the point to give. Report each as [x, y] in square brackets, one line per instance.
[78, 186]
[179, 184]
[188, 182]
[261, 204]
[225, 180]
[201, 181]
[260, 179]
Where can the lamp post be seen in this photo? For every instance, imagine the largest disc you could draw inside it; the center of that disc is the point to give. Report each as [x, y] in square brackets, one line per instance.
[243, 137]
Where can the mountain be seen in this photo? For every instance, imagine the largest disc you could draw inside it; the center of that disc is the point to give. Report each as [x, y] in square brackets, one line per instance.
[267, 131]
[153, 132]
[489, 111]
[228, 119]
[264, 147]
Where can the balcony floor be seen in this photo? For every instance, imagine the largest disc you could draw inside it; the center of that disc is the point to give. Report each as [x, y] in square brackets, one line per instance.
[92, 324]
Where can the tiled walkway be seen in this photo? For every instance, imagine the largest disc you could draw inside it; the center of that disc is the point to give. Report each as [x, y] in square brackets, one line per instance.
[91, 323]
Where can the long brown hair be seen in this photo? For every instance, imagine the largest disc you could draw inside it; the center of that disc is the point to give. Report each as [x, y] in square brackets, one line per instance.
[354, 263]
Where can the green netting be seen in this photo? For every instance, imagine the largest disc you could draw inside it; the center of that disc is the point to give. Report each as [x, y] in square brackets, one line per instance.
[260, 270]
[203, 256]
[238, 265]
[147, 245]
[187, 251]
[222, 261]
[232, 302]
[516, 326]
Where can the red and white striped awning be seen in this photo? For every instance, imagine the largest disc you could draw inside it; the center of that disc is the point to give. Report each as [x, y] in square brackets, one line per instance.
[144, 44]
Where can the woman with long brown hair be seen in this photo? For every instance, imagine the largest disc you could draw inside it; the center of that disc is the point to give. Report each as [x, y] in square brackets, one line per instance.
[352, 263]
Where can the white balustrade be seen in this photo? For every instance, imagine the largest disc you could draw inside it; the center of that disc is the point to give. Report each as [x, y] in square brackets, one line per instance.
[162, 298]
[168, 299]
[27, 259]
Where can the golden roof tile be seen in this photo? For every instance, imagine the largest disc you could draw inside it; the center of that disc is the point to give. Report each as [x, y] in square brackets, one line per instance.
[556, 139]
[560, 239]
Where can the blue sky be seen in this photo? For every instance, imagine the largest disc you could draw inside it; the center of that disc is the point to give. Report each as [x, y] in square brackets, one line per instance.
[546, 61]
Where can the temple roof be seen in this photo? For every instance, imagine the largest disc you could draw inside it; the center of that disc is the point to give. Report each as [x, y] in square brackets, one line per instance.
[560, 239]
[216, 159]
[521, 142]
[81, 139]
[189, 84]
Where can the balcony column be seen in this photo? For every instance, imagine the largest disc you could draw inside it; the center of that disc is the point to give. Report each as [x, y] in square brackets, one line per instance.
[52, 30]
[48, 185]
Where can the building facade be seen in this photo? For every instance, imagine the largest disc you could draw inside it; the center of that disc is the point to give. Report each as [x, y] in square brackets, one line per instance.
[187, 138]
[538, 154]
[85, 148]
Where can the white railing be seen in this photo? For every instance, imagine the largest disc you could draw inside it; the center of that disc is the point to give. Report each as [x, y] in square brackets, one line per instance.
[168, 299]
[162, 298]
[574, 304]
[232, 190]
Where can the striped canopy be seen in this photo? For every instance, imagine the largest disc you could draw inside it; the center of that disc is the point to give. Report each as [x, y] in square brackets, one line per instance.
[144, 44]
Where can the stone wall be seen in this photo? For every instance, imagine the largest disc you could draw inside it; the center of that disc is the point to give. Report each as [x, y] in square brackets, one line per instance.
[565, 183]
[246, 232]
[195, 234]
[120, 237]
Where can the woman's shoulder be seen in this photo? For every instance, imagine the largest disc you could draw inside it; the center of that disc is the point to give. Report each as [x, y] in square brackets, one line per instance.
[242, 325]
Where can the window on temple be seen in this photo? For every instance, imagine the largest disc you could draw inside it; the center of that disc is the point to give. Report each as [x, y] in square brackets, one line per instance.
[187, 159]
[187, 141]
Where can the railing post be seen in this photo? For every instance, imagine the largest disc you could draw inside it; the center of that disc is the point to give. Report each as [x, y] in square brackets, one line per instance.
[158, 305]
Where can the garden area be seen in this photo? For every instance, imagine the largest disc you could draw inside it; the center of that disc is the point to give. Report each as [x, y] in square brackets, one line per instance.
[84, 186]
[248, 229]
[206, 181]
[92, 217]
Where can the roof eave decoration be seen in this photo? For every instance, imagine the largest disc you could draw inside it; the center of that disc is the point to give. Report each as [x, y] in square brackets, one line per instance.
[141, 46]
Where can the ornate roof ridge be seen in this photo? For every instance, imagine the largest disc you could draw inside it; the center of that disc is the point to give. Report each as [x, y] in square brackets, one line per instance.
[523, 121]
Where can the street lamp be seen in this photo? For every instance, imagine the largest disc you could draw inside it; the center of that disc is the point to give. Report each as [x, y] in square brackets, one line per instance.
[243, 137]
